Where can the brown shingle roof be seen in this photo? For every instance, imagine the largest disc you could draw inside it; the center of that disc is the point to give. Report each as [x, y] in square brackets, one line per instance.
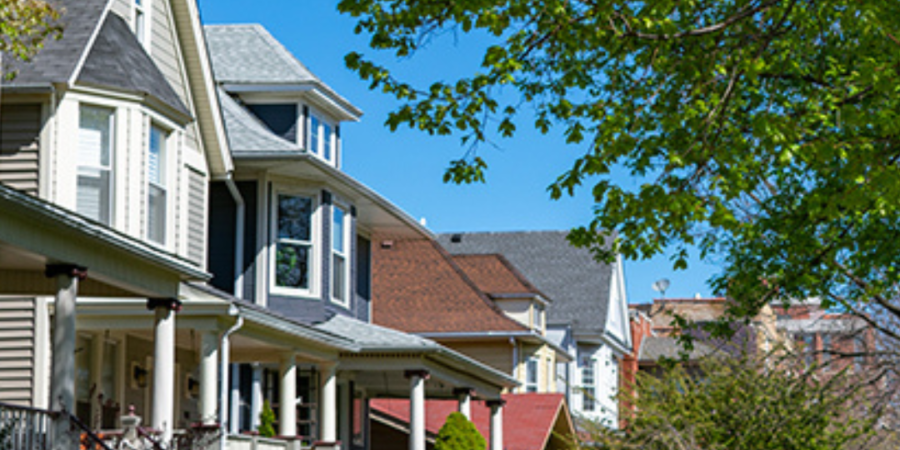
[494, 274]
[418, 288]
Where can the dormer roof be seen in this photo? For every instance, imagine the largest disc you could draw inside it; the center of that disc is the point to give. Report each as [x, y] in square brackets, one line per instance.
[247, 58]
[247, 136]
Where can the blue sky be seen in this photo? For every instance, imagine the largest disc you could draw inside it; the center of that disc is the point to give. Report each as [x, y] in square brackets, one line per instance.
[407, 166]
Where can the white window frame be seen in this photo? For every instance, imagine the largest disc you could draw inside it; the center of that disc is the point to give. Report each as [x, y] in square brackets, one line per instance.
[140, 13]
[110, 168]
[314, 242]
[346, 254]
[166, 186]
[528, 385]
[588, 391]
[320, 141]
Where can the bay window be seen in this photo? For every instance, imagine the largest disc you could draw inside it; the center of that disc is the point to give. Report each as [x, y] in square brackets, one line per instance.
[293, 243]
[156, 186]
[95, 154]
[340, 246]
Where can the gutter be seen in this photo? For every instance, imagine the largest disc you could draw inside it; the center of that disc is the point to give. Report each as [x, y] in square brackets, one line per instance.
[499, 334]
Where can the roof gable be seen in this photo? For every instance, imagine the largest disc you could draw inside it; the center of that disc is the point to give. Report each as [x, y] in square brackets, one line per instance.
[118, 60]
[578, 285]
[417, 287]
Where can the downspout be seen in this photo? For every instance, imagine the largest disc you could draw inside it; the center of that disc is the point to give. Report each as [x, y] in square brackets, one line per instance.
[223, 378]
[238, 235]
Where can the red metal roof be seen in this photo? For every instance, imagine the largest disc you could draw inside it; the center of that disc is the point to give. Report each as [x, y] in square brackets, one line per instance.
[528, 419]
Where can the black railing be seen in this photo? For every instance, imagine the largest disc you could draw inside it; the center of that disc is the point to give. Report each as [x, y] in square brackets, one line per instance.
[26, 428]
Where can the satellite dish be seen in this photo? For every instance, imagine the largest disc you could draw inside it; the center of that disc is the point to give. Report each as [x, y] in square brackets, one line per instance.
[661, 286]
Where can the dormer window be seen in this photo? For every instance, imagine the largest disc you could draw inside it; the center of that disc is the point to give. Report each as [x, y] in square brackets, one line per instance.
[281, 119]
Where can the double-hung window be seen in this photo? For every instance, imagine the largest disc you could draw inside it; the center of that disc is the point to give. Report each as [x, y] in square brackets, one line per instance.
[156, 186]
[95, 155]
[588, 385]
[340, 246]
[293, 262]
[531, 374]
[322, 139]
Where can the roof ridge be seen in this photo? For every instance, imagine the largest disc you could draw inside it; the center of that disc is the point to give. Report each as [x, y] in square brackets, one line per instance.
[283, 52]
[86, 52]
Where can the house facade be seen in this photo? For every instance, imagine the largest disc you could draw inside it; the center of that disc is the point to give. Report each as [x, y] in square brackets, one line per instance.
[586, 318]
[166, 249]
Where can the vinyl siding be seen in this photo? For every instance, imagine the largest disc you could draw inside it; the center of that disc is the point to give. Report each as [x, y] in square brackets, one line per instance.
[122, 8]
[196, 226]
[20, 128]
[16, 350]
[497, 354]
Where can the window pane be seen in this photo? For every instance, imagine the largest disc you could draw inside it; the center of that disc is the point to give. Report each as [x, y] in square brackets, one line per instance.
[280, 119]
[314, 134]
[292, 266]
[156, 215]
[588, 399]
[93, 197]
[294, 217]
[326, 141]
[139, 25]
[156, 163]
[94, 136]
[337, 231]
[338, 285]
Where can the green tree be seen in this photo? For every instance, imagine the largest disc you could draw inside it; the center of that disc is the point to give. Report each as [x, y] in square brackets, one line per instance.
[24, 26]
[458, 433]
[765, 132]
[740, 404]
[266, 421]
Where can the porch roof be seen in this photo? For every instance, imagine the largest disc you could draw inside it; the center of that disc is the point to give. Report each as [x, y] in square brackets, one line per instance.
[34, 233]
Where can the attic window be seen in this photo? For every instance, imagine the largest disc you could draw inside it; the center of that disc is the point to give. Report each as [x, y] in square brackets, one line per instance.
[281, 119]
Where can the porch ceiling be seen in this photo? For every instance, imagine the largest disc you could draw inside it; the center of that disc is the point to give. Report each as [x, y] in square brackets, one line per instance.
[34, 233]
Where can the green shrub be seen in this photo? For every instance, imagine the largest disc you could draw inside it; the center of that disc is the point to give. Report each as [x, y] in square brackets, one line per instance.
[459, 434]
[266, 421]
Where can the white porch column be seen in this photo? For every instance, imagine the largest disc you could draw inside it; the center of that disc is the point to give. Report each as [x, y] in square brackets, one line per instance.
[464, 396]
[97, 344]
[234, 411]
[345, 400]
[328, 420]
[496, 424]
[288, 388]
[256, 395]
[62, 378]
[417, 408]
[209, 377]
[164, 366]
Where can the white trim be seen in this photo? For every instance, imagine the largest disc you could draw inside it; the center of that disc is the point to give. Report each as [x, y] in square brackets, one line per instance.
[315, 242]
[347, 238]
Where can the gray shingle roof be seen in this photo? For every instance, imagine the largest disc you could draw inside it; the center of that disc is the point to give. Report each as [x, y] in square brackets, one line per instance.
[822, 325]
[246, 134]
[374, 337]
[578, 285]
[248, 54]
[117, 59]
[57, 61]
[655, 347]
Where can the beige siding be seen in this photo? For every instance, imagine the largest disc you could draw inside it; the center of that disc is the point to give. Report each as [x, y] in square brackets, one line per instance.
[196, 215]
[497, 354]
[122, 8]
[20, 128]
[16, 350]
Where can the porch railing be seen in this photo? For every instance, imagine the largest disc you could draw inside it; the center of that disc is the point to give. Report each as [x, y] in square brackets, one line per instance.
[27, 428]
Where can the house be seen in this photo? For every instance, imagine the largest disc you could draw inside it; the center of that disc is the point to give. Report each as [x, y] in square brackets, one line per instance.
[152, 236]
[292, 234]
[588, 315]
[478, 305]
[109, 138]
[533, 421]
[834, 341]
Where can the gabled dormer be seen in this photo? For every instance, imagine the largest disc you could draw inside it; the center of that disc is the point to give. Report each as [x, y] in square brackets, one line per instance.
[258, 73]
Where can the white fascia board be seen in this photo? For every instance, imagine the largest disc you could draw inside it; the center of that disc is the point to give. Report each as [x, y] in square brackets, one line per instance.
[316, 91]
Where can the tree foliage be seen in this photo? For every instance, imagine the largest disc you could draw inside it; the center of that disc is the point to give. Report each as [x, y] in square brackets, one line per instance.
[740, 403]
[765, 132]
[458, 433]
[25, 25]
